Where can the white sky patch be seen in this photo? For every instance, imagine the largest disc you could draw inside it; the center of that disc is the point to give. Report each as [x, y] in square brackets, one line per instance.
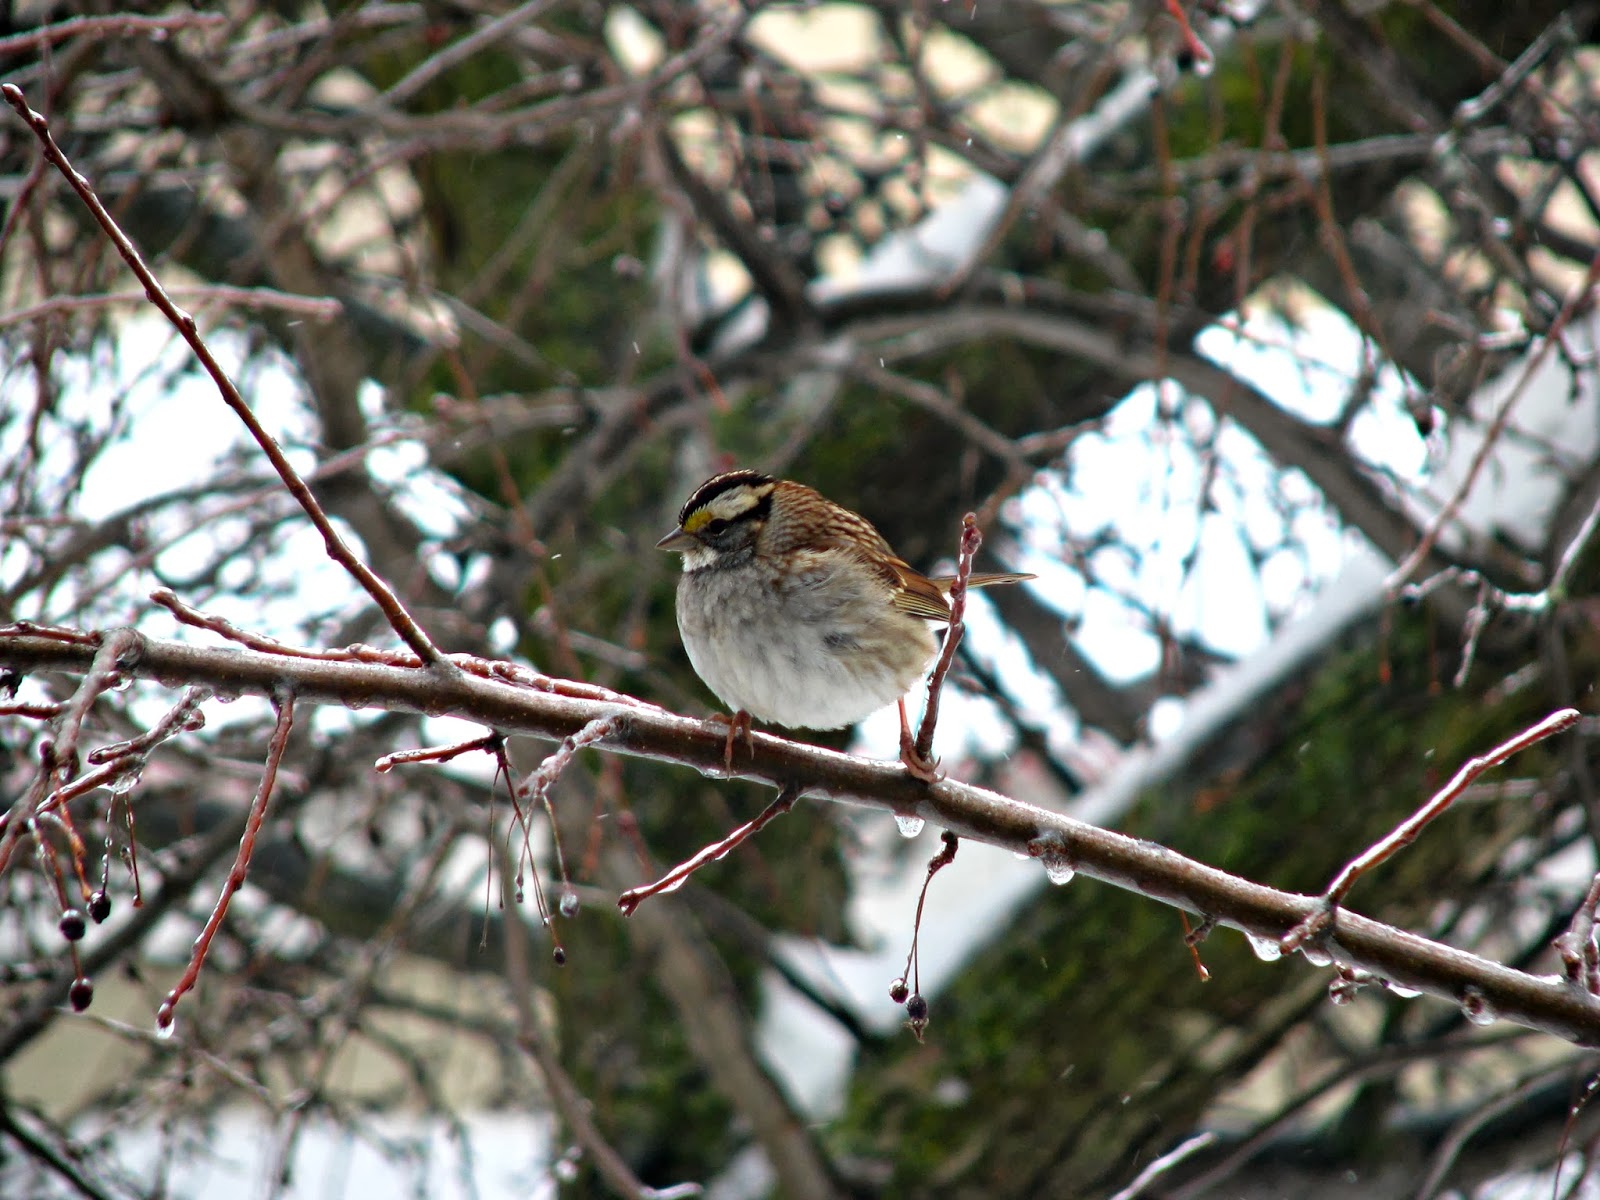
[510, 1155]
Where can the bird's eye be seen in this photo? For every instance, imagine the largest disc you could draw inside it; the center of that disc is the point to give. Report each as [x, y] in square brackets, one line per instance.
[715, 526]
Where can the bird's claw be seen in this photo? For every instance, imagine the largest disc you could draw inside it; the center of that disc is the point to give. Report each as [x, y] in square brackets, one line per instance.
[738, 723]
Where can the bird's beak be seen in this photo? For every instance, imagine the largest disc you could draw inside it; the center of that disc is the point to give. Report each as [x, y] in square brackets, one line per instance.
[676, 540]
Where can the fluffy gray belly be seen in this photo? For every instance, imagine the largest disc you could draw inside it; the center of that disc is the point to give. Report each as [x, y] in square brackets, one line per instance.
[817, 652]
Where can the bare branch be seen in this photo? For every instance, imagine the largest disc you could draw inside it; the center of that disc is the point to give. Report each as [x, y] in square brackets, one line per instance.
[399, 619]
[974, 813]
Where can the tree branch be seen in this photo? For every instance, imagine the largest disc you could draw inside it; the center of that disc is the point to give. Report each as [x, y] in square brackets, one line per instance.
[534, 706]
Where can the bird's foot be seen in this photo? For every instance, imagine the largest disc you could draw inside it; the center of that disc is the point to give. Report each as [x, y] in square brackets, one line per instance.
[738, 725]
[920, 767]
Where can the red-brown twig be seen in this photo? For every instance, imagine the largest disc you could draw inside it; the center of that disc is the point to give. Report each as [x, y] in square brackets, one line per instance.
[1192, 937]
[118, 765]
[1580, 296]
[241, 862]
[223, 627]
[109, 26]
[58, 757]
[1199, 54]
[37, 712]
[1580, 954]
[487, 744]
[971, 539]
[321, 308]
[899, 992]
[382, 595]
[523, 702]
[55, 633]
[538, 788]
[675, 878]
[183, 717]
[1406, 832]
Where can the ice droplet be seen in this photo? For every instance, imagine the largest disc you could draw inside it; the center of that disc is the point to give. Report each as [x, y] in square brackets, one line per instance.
[1403, 992]
[1058, 869]
[909, 826]
[1476, 1008]
[568, 904]
[125, 783]
[1267, 949]
[1316, 955]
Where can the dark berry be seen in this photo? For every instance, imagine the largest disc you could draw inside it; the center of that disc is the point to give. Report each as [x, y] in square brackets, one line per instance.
[72, 925]
[99, 907]
[81, 994]
[917, 1009]
[898, 991]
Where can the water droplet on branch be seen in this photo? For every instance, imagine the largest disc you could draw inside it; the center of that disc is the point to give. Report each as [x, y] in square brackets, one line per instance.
[909, 826]
[1267, 949]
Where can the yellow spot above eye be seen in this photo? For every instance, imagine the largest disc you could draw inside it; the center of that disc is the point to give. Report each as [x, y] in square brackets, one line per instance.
[727, 506]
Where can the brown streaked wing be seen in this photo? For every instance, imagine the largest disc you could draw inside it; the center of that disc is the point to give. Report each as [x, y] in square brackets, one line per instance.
[981, 579]
[915, 593]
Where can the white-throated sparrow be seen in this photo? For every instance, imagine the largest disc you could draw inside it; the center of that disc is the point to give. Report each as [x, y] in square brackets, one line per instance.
[794, 610]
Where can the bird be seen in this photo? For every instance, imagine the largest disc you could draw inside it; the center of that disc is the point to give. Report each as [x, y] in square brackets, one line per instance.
[795, 611]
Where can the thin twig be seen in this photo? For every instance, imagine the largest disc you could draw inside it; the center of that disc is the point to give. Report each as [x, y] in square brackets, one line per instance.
[674, 879]
[1580, 296]
[458, 52]
[899, 991]
[1406, 832]
[487, 744]
[971, 539]
[1580, 954]
[387, 601]
[241, 862]
[1160, 1166]
[321, 308]
[117, 26]
[58, 757]
[554, 709]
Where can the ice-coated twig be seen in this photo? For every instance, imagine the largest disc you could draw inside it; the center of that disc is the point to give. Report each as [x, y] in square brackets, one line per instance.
[899, 991]
[183, 717]
[1578, 297]
[382, 594]
[674, 879]
[1160, 1166]
[241, 862]
[1406, 832]
[1579, 951]
[971, 539]
[59, 755]
[486, 744]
